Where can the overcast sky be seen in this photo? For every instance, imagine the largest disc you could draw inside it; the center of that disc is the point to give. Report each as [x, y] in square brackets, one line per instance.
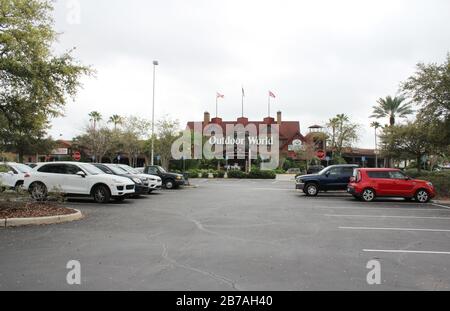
[320, 58]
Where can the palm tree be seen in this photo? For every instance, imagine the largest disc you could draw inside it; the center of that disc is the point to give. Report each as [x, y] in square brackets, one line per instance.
[376, 126]
[95, 118]
[392, 108]
[116, 120]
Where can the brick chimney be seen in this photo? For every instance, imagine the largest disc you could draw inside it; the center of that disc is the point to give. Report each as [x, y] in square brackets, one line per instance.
[279, 117]
[206, 119]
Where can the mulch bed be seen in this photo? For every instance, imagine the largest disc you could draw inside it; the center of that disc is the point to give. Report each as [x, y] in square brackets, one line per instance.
[13, 209]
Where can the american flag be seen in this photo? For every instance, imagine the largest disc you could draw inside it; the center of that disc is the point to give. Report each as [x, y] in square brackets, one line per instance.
[272, 94]
[220, 95]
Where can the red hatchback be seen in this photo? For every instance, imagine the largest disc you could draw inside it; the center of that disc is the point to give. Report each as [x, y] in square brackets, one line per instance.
[367, 184]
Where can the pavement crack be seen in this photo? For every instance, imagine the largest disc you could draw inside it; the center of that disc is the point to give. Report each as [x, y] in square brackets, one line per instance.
[216, 277]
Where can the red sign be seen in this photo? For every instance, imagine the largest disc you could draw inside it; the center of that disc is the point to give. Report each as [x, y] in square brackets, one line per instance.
[76, 156]
[321, 154]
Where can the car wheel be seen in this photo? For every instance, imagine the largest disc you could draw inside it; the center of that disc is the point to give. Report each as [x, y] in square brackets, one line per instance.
[18, 186]
[101, 194]
[368, 195]
[312, 190]
[422, 196]
[169, 184]
[38, 191]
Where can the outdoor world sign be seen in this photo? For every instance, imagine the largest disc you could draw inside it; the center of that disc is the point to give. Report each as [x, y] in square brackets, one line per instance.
[251, 141]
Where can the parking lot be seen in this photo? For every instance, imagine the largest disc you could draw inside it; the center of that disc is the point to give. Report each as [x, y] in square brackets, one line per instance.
[235, 235]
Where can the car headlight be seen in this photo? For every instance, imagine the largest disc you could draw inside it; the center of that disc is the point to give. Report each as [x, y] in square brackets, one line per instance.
[179, 177]
[137, 180]
[299, 180]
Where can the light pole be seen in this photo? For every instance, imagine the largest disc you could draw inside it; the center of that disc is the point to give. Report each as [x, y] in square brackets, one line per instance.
[155, 63]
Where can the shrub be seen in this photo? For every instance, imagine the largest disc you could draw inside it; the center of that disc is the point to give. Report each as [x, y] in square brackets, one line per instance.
[237, 174]
[262, 174]
[193, 174]
[220, 174]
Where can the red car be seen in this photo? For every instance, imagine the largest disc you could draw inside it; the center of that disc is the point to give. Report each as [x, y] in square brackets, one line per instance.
[367, 184]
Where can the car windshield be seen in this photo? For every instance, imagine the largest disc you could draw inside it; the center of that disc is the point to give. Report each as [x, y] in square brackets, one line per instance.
[22, 168]
[117, 169]
[129, 169]
[91, 169]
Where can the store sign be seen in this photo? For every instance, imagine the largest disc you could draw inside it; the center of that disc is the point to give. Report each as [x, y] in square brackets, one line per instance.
[60, 151]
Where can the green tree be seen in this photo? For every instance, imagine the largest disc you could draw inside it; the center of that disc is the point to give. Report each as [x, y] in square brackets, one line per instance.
[409, 141]
[34, 83]
[168, 131]
[116, 120]
[392, 108]
[376, 126]
[429, 88]
[95, 118]
[343, 134]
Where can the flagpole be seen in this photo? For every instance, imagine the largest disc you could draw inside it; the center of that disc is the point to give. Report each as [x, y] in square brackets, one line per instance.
[269, 106]
[217, 106]
[242, 101]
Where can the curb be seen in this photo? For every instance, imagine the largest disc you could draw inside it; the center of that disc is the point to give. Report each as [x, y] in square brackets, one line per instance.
[37, 221]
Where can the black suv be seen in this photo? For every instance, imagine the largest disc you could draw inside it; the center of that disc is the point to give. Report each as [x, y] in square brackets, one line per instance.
[169, 180]
[335, 177]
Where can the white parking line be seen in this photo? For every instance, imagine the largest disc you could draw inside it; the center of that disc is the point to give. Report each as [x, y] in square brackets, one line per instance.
[395, 229]
[375, 216]
[404, 252]
[447, 207]
[378, 208]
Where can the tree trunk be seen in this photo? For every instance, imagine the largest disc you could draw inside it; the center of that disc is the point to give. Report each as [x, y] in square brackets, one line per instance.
[419, 163]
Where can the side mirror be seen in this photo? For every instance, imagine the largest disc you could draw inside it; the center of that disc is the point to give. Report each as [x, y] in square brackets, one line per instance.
[81, 174]
[327, 174]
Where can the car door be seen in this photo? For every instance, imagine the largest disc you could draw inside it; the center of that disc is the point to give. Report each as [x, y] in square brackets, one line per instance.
[331, 180]
[73, 183]
[381, 182]
[402, 186]
[52, 175]
[9, 177]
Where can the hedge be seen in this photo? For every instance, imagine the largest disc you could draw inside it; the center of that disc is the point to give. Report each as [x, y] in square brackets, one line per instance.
[256, 174]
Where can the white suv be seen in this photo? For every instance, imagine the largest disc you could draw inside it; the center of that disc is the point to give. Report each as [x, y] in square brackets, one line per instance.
[77, 179]
[14, 175]
[155, 181]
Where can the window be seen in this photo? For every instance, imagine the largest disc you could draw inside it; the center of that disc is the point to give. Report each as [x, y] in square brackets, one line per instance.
[53, 169]
[379, 175]
[152, 170]
[397, 175]
[347, 171]
[72, 169]
[336, 171]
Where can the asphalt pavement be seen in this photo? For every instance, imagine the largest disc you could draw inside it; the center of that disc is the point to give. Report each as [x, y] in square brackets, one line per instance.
[234, 235]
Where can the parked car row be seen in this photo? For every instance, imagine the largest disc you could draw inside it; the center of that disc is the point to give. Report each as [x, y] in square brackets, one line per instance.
[366, 184]
[102, 182]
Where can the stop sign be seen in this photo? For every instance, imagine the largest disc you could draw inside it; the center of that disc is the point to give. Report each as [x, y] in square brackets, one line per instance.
[321, 154]
[76, 156]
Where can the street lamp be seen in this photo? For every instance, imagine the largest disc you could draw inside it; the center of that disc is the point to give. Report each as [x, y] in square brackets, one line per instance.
[155, 63]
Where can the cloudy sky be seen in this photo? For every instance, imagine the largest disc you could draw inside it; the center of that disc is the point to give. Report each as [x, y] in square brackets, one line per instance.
[319, 57]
